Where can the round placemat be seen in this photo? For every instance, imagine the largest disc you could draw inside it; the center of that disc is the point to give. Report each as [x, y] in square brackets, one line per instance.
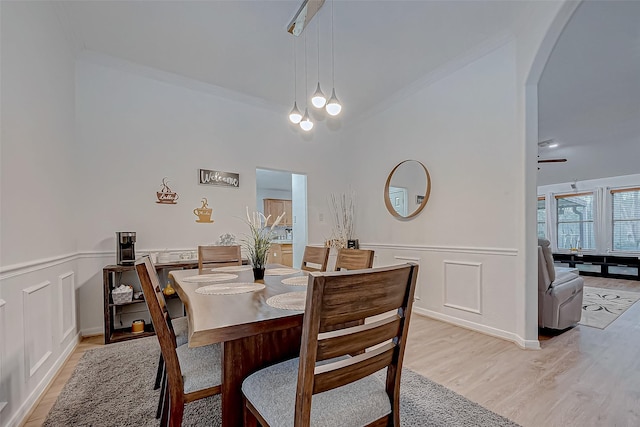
[296, 281]
[283, 271]
[232, 268]
[208, 278]
[289, 301]
[230, 288]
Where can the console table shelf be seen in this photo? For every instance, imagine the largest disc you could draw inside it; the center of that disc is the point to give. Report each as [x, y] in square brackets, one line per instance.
[111, 332]
[614, 266]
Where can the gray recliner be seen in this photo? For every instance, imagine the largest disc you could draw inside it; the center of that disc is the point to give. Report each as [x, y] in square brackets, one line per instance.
[559, 295]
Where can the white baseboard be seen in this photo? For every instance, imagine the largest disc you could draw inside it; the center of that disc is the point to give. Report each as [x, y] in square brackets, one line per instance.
[487, 330]
[90, 332]
[32, 400]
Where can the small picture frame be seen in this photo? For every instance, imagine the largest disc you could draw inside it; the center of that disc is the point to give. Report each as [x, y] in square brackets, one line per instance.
[419, 200]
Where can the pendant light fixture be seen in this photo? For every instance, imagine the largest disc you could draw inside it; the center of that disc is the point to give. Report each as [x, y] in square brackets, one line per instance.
[306, 124]
[318, 99]
[333, 106]
[295, 115]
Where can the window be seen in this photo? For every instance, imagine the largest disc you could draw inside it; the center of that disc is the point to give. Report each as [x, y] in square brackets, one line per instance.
[626, 219]
[575, 221]
[542, 219]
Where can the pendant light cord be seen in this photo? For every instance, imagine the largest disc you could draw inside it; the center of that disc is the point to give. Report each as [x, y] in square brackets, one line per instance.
[318, 28]
[305, 69]
[295, 72]
[333, 66]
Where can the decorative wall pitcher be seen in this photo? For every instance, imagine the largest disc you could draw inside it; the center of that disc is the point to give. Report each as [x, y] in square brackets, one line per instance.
[203, 212]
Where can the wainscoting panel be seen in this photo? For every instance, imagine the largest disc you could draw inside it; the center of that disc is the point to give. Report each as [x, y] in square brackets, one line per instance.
[67, 298]
[463, 285]
[38, 331]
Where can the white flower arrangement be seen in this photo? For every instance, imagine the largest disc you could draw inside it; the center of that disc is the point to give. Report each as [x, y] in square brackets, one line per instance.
[258, 242]
[343, 208]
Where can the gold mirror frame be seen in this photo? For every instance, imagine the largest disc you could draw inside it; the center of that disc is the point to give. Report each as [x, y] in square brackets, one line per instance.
[387, 200]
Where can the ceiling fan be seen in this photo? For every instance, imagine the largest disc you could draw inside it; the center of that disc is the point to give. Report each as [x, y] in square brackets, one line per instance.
[549, 143]
[552, 160]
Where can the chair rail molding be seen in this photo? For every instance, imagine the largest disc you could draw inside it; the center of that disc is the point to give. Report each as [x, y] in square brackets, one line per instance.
[453, 249]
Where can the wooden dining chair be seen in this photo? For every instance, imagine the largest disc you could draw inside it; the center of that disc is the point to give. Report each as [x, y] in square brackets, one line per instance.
[315, 258]
[354, 259]
[191, 373]
[325, 386]
[218, 256]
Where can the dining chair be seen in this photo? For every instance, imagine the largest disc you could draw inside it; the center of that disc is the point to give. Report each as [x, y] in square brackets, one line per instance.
[315, 258]
[354, 259]
[325, 386]
[191, 373]
[218, 256]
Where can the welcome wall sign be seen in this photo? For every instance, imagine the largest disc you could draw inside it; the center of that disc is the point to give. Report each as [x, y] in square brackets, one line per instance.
[225, 179]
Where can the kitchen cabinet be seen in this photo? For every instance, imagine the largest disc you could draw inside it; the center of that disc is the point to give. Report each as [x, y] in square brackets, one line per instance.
[275, 207]
[281, 253]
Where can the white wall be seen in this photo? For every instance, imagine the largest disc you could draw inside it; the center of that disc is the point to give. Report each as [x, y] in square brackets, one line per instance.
[463, 128]
[38, 210]
[134, 130]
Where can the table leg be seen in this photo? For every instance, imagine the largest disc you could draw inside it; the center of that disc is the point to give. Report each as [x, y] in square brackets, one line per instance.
[243, 356]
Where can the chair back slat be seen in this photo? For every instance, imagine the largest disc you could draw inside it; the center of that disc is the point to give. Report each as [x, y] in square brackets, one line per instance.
[346, 371]
[352, 340]
[315, 256]
[334, 302]
[218, 256]
[354, 297]
[354, 259]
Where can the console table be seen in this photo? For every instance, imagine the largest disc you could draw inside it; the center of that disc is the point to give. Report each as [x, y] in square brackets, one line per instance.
[113, 334]
[617, 267]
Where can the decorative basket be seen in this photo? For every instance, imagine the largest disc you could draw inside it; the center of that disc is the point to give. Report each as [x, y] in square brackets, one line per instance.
[122, 296]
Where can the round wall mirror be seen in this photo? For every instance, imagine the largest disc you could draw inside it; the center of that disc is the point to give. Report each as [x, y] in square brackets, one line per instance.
[407, 189]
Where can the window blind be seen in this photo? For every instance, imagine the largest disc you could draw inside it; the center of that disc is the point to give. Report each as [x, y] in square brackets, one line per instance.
[575, 221]
[626, 219]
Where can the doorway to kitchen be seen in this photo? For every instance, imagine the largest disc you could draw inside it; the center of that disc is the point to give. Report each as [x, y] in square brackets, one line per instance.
[278, 191]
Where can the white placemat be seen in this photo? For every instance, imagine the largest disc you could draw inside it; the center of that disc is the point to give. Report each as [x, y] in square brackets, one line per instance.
[232, 268]
[208, 278]
[229, 288]
[284, 271]
[296, 281]
[289, 301]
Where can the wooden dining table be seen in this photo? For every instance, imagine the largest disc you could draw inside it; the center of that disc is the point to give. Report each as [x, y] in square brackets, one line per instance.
[252, 333]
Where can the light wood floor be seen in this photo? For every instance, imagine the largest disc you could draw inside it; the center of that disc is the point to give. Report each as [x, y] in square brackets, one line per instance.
[582, 377]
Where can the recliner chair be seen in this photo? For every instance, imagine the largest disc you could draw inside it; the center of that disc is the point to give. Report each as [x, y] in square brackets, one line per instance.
[559, 295]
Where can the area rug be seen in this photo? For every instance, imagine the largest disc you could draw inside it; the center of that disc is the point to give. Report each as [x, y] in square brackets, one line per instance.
[112, 386]
[601, 306]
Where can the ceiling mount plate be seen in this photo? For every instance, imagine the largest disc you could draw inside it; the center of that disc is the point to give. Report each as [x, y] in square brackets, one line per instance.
[303, 16]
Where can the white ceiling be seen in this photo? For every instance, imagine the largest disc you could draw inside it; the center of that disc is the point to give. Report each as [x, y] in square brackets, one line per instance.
[589, 93]
[380, 46]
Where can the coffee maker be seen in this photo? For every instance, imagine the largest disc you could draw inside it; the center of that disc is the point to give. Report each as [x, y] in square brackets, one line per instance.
[125, 241]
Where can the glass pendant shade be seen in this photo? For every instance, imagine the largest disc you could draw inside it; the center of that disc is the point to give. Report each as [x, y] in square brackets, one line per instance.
[295, 115]
[306, 124]
[318, 99]
[333, 105]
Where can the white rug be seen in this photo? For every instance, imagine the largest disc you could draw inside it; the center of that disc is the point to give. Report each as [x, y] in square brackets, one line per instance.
[601, 306]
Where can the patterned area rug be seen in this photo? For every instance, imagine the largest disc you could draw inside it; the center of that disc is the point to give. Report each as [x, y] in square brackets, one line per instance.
[601, 306]
[112, 386]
